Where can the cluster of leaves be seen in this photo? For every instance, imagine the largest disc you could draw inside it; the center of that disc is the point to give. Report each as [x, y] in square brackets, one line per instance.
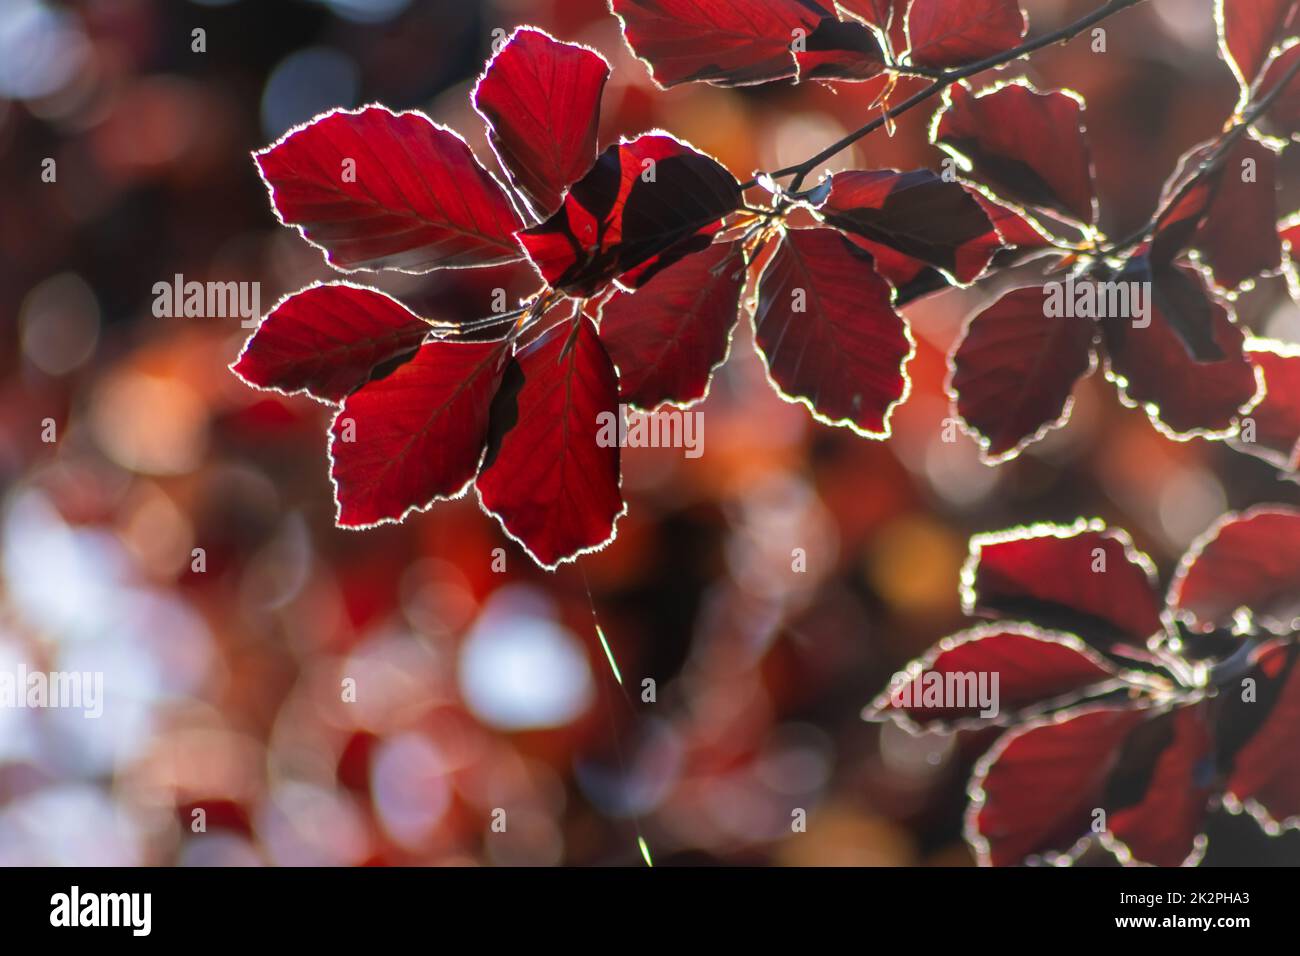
[646, 251]
[1131, 718]
[1193, 370]
[510, 404]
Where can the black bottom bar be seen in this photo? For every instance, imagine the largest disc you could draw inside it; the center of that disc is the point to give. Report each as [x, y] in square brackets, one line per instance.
[458, 906]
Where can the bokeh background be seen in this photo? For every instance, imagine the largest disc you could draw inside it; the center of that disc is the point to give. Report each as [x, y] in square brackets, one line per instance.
[480, 690]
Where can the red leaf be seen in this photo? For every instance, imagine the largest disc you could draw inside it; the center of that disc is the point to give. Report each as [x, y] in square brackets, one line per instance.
[1248, 30]
[1084, 578]
[668, 337]
[828, 333]
[402, 442]
[911, 278]
[1025, 145]
[1014, 369]
[737, 43]
[1225, 211]
[327, 339]
[839, 51]
[1035, 669]
[946, 34]
[382, 190]
[1151, 366]
[546, 477]
[1184, 202]
[1038, 791]
[1249, 560]
[1262, 737]
[541, 101]
[1016, 232]
[1156, 799]
[1034, 794]
[1178, 294]
[1272, 430]
[617, 218]
[1238, 239]
[917, 214]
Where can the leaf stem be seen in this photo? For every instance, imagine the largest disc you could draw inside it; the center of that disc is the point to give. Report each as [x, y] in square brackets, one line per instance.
[443, 330]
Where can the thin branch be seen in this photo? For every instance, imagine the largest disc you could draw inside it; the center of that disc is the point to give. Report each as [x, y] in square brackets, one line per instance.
[801, 170]
[451, 329]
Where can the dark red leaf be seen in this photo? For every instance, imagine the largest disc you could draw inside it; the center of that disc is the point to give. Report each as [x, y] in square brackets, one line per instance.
[914, 278]
[1036, 792]
[1153, 368]
[327, 339]
[828, 333]
[1184, 202]
[1156, 798]
[1238, 239]
[1178, 294]
[1260, 736]
[915, 213]
[416, 436]
[911, 278]
[1248, 30]
[382, 190]
[1272, 429]
[1249, 560]
[946, 34]
[1084, 578]
[668, 337]
[1025, 145]
[1016, 232]
[1138, 778]
[729, 44]
[1223, 205]
[1014, 369]
[839, 50]
[640, 208]
[546, 476]
[541, 101]
[1034, 669]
